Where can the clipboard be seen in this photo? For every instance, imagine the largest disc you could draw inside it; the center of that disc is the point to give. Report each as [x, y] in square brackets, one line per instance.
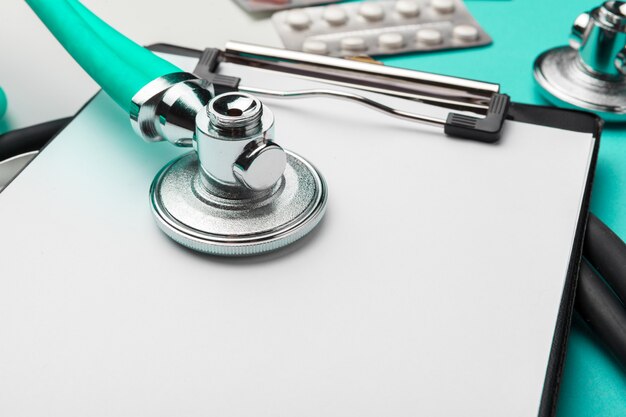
[65, 212]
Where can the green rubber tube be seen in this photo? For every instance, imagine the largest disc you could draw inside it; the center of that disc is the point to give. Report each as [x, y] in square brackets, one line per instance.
[3, 103]
[116, 77]
[133, 54]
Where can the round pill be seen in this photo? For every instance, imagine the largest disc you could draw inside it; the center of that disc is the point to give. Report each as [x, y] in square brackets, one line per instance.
[315, 47]
[298, 19]
[429, 37]
[408, 8]
[372, 12]
[353, 44]
[391, 40]
[443, 6]
[335, 15]
[465, 33]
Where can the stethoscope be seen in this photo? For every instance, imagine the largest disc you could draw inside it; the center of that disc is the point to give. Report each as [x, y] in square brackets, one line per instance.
[239, 192]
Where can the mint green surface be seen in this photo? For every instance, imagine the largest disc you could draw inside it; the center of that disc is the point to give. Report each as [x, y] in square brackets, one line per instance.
[3, 103]
[105, 64]
[133, 54]
[594, 384]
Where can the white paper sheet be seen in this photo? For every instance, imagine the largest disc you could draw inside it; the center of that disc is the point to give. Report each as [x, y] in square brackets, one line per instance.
[430, 289]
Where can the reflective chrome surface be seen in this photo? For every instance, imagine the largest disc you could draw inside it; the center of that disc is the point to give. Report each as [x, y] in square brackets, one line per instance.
[260, 166]
[452, 92]
[590, 74]
[558, 73]
[604, 38]
[235, 144]
[205, 222]
[166, 108]
[239, 193]
[579, 28]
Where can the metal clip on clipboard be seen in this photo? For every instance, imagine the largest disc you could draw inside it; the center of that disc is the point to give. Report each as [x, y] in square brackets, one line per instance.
[450, 92]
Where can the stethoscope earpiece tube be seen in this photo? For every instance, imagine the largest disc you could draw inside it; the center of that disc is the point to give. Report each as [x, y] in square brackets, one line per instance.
[118, 72]
[133, 54]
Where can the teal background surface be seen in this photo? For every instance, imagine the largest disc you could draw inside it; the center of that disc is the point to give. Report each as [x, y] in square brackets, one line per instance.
[593, 385]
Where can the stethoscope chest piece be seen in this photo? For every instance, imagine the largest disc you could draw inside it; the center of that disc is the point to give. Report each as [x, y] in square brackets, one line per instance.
[238, 193]
[591, 73]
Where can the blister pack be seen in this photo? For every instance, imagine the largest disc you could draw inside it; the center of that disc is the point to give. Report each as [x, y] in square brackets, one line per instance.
[268, 5]
[382, 27]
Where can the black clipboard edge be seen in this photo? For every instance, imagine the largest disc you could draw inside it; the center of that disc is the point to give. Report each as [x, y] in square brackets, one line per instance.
[566, 119]
[577, 121]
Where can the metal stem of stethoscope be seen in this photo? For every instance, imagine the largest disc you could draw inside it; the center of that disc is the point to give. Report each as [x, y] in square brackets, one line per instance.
[400, 114]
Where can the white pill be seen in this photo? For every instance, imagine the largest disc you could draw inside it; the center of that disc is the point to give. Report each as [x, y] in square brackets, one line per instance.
[429, 37]
[315, 47]
[465, 33]
[443, 6]
[391, 40]
[372, 12]
[408, 8]
[298, 19]
[353, 44]
[335, 15]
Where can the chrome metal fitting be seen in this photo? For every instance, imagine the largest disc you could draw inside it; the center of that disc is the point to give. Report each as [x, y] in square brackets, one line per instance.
[590, 73]
[240, 193]
[600, 38]
[166, 108]
[236, 148]
[199, 220]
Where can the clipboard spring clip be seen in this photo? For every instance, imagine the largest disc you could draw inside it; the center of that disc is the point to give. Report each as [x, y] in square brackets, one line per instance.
[472, 97]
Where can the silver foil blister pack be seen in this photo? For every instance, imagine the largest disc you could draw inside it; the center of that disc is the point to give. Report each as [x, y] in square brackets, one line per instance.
[383, 27]
[269, 5]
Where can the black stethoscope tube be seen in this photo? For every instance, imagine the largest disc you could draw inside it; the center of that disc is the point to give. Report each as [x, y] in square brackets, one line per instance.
[602, 311]
[607, 253]
[601, 292]
[29, 139]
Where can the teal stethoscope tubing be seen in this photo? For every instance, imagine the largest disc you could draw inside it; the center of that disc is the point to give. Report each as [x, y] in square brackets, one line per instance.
[133, 54]
[117, 64]
[3, 103]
